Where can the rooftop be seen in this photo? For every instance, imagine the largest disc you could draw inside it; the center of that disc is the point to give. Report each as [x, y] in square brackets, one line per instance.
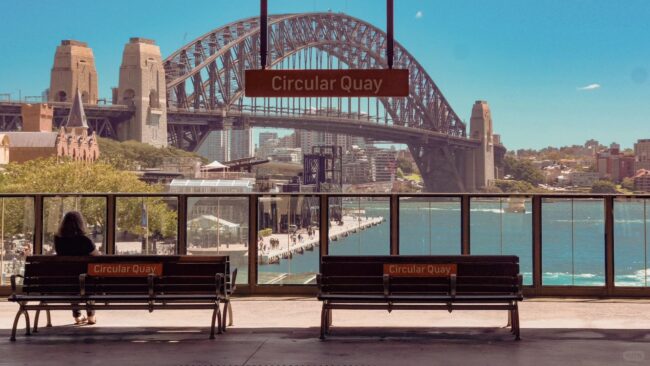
[284, 331]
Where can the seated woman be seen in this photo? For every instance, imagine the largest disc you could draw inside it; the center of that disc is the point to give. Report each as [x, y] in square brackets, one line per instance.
[71, 240]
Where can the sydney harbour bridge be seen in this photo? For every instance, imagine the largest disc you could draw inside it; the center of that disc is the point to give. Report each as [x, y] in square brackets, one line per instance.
[204, 92]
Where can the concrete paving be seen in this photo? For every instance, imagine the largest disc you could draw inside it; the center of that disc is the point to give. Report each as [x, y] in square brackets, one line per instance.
[284, 331]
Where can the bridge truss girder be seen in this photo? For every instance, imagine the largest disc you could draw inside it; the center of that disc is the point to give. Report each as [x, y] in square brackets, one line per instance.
[207, 73]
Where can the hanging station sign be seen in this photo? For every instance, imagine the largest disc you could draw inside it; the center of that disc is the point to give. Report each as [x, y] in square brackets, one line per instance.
[327, 83]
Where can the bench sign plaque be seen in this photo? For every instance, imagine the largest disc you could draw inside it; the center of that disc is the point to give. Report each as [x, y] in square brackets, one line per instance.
[420, 270]
[327, 83]
[124, 269]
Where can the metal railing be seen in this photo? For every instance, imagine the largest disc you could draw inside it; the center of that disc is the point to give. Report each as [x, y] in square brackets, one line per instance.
[569, 245]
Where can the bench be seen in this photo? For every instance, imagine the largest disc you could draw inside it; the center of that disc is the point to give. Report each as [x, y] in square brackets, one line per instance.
[420, 283]
[113, 282]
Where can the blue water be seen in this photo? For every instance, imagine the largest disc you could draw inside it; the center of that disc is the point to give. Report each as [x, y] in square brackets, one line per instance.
[573, 240]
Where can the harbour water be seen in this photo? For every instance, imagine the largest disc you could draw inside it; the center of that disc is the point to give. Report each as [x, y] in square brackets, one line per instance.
[573, 238]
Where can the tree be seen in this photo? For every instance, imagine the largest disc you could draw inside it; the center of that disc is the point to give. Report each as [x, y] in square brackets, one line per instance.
[523, 170]
[50, 176]
[628, 183]
[603, 186]
[405, 165]
[128, 155]
[514, 186]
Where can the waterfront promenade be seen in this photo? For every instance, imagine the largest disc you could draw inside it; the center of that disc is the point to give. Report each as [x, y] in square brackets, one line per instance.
[274, 331]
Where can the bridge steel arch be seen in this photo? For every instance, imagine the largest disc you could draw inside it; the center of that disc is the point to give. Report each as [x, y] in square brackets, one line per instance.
[206, 77]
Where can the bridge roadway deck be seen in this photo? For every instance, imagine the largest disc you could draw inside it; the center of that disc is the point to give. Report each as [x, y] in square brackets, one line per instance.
[274, 331]
[332, 124]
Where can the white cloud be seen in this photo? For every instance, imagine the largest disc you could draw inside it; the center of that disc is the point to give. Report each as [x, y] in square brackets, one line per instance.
[593, 86]
[419, 14]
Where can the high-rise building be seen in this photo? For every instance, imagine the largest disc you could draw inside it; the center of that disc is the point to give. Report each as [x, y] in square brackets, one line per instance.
[384, 161]
[216, 146]
[642, 154]
[241, 144]
[266, 136]
[614, 165]
[227, 145]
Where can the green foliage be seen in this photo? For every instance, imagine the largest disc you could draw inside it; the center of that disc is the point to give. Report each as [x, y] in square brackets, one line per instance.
[603, 186]
[405, 165]
[128, 155]
[628, 183]
[514, 186]
[50, 176]
[523, 170]
[265, 232]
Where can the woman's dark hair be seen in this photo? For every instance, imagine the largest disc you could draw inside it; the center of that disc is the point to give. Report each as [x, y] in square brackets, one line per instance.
[71, 225]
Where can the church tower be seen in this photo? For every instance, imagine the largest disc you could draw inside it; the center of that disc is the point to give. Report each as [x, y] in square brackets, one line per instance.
[142, 86]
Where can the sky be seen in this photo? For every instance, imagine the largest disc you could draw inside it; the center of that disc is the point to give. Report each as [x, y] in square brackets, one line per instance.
[554, 72]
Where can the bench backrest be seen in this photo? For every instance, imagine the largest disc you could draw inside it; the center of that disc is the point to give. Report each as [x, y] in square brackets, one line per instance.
[180, 275]
[365, 275]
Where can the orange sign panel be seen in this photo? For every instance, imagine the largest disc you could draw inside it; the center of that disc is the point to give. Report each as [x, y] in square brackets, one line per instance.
[124, 269]
[420, 270]
[327, 83]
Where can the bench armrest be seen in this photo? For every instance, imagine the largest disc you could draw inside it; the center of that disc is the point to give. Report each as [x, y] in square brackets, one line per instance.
[13, 283]
[520, 284]
[82, 284]
[386, 279]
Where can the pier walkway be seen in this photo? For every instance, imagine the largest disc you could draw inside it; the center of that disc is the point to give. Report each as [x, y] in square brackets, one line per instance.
[274, 331]
[287, 247]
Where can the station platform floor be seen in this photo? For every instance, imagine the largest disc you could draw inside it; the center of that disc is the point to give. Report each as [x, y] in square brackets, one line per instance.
[284, 331]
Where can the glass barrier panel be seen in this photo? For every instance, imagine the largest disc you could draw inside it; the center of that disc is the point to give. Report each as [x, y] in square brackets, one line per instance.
[146, 225]
[359, 226]
[92, 210]
[573, 242]
[16, 236]
[288, 245]
[630, 242]
[219, 226]
[503, 226]
[429, 226]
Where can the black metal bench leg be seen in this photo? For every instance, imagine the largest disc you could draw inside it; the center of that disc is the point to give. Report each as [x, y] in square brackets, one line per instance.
[509, 319]
[329, 319]
[38, 313]
[16, 319]
[229, 314]
[215, 314]
[49, 318]
[28, 329]
[323, 321]
[515, 322]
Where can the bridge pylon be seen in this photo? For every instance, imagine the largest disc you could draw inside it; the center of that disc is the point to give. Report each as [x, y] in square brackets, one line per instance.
[439, 165]
[481, 129]
[142, 86]
[74, 68]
